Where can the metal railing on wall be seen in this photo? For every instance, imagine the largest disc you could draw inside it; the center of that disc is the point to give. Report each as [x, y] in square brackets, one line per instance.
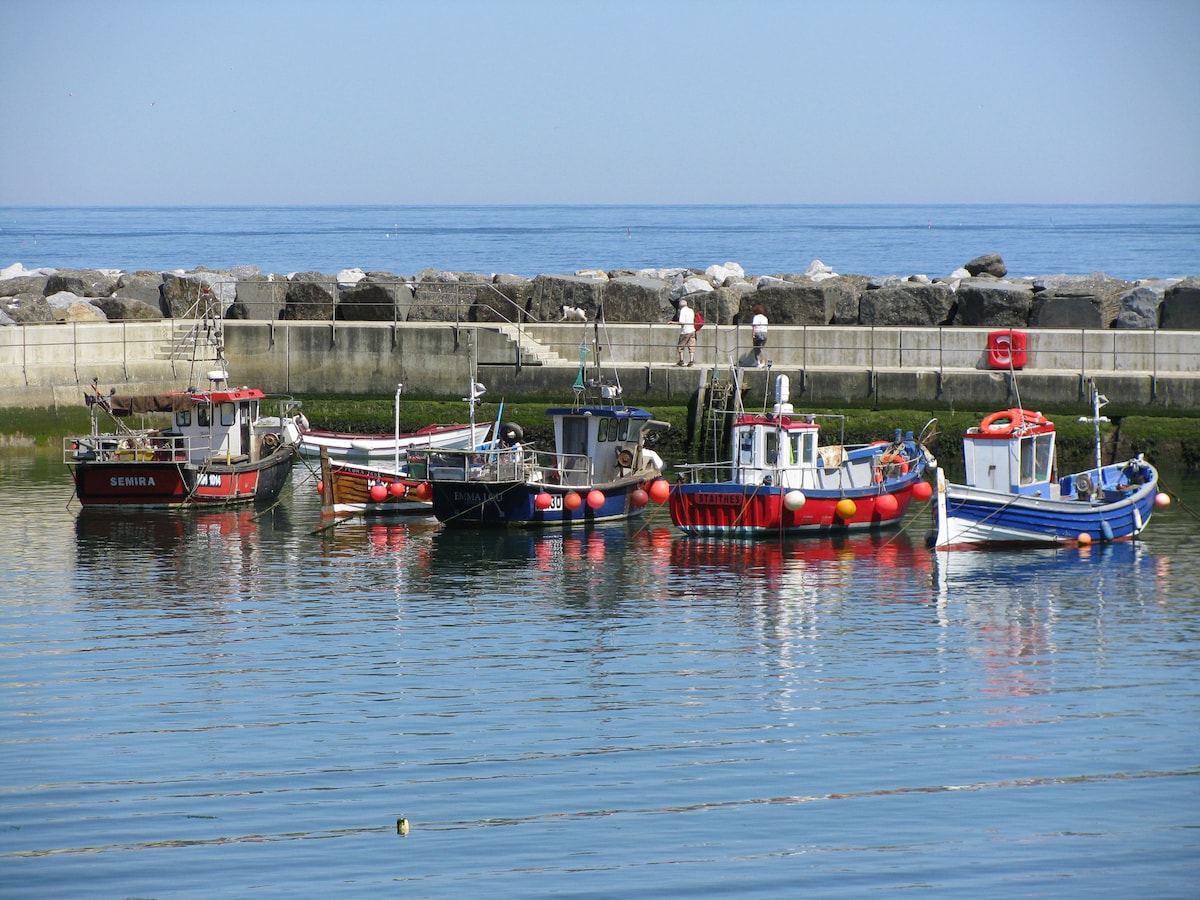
[29, 352]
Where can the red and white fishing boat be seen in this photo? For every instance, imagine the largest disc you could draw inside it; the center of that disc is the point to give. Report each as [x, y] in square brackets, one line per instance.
[196, 447]
[779, 482]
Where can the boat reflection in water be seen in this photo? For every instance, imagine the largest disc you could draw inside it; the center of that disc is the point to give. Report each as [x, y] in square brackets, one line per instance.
[185, 554]
[1023, 614]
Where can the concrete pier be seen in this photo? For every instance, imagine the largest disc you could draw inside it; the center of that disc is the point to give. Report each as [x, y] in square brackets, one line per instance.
[1143, 372]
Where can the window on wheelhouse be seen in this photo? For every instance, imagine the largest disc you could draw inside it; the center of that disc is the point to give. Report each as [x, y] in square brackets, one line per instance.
[746, 447]
[1037, 458]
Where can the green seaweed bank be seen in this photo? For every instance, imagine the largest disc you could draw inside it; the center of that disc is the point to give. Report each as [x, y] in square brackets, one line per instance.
[1172, 444]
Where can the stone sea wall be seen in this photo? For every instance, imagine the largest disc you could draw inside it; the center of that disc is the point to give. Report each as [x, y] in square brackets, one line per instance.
[981, 293]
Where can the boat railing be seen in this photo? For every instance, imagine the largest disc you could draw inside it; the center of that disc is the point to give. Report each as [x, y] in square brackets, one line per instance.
[131, 447]
[511, 464]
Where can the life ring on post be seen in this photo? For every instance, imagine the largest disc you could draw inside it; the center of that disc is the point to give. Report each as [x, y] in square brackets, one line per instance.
[1006, 420]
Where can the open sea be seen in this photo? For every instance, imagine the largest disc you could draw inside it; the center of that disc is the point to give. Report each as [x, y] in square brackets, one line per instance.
[1130, 242]
[246, 703]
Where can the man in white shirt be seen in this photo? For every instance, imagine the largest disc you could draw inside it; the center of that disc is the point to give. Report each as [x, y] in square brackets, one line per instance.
[686, 320]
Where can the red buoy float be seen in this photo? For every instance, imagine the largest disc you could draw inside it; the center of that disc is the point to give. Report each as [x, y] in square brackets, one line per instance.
[396, 488]
[660, 491]
[595, 498]
[922, 491]
[424, 492]
[639, 498]
[378, 493]
[887, 505]
[572, 501]
[541, 501]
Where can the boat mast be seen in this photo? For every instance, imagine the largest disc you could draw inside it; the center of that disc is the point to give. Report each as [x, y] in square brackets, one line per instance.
[1099, 401]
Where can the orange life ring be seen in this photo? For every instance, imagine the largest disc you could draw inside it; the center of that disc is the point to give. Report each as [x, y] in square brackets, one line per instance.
[891, 464]
[1006, 420]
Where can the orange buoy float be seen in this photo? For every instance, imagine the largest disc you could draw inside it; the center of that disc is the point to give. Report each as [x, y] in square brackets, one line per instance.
[1084, 539]
[424, 491]
[378, 493]
[396, 488]
[660, 491]
[595, 498]
[846, 508]
[541, 501]
[1162, 500]
[320, 488]
[922, 491]
[887, 505]
[572, 501]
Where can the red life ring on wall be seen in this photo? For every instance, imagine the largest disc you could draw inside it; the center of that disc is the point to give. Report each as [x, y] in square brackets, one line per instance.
[1005, 421]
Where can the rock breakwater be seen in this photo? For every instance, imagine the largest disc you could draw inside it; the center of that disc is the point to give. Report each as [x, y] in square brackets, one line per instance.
[981, 293]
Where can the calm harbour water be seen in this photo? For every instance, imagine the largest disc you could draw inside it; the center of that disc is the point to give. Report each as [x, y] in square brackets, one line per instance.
[241, 704]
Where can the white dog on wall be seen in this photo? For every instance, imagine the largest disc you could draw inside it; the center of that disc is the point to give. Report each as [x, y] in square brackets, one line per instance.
[573, 313]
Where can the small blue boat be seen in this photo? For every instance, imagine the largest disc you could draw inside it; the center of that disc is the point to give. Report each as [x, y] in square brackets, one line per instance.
[1013, 494]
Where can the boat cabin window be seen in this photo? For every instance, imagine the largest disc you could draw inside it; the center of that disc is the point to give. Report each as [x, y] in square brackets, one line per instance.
[203, 415]
[183, 418]
[746, 447]
[1037, 454]
[623, 433]
[228, 414]
[804, 447]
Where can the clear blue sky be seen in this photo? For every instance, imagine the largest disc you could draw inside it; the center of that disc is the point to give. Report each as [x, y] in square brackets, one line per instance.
[165, 102]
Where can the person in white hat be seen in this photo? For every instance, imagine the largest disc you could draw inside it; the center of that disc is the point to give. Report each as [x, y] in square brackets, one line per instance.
[686, 320]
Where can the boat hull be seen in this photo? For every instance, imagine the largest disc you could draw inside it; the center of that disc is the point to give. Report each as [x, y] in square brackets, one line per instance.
[760, 511]
[156, 483]
[967, 517]
[514, 504]
[349, 489]
[383, 448]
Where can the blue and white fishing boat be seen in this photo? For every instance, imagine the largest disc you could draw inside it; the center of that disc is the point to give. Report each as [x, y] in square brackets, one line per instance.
[1013, 494]
[601, 468]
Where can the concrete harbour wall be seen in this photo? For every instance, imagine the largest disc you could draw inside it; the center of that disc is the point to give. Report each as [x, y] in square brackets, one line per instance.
[1141, 372]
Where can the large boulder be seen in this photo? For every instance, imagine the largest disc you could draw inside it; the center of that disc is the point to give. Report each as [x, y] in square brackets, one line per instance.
[907, 303]
[638, 298]
[376, 297]
[505, 299]
[82, 282]
[311, 297]
[1180, 309]
[127, 309]
[1139, 306]
[28, 309]
[194, 294]
[260, 297]
[552, 292]
[992, 303]
[794, 303]
[23, 284]
[68, 307]
[144, 286]
[1076, 301]
[988, 264]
